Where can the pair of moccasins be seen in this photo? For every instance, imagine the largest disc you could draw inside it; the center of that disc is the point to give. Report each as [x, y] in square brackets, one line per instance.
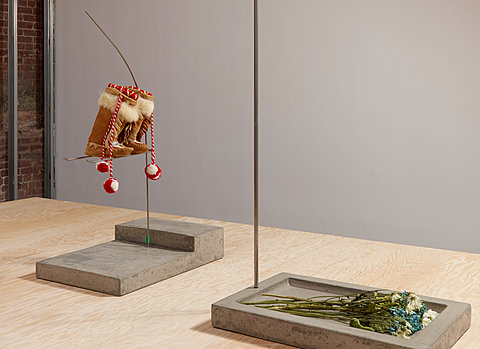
[124, 116]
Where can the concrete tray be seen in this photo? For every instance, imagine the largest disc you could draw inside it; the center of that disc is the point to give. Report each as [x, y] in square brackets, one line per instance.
[127, 264]
[452, 322]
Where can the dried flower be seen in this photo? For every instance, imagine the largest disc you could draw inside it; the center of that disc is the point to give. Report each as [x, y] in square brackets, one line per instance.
[398, 314]
[413, 303]
[395, 297]
[428, 317]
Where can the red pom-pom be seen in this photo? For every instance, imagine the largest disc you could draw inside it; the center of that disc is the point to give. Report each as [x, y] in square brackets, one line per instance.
[103, 166]
[153, 172]
[111, 185]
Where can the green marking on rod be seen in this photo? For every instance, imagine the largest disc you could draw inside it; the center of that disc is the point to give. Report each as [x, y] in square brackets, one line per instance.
[147, 239]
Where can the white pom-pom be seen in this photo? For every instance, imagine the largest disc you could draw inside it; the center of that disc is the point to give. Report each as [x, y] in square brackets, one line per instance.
[110, 185]
[115, 185]
[153, 172]
[151, 169]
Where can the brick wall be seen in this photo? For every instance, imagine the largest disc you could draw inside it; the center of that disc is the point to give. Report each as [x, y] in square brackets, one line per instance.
[30, 99]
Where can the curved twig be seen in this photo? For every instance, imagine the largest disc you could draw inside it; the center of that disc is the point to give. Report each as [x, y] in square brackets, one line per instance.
[130, 70]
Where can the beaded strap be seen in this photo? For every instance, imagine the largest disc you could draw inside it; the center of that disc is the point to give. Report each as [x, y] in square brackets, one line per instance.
[111, 128]
[114, 117]
[135, 88]
[126, 90]
[153, 140]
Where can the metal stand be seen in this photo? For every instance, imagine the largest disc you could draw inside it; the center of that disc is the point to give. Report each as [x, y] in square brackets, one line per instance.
[49, 102]
[12, 101]
[147, 189]
[255, 144]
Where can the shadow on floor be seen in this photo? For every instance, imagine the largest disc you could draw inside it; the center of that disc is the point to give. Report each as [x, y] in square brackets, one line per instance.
[206, 327]
[33, 278]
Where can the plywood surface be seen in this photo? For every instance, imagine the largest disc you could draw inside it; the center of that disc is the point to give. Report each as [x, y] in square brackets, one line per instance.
[175, 313]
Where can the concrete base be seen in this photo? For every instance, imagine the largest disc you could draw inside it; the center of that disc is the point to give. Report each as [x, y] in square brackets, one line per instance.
[229, 314]
[127, 264]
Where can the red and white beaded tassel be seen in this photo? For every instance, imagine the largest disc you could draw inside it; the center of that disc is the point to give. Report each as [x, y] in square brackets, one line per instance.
[152, 170]
[103, 166]
[111, 184]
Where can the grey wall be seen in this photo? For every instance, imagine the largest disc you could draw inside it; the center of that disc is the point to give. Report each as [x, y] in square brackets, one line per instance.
[369, 112]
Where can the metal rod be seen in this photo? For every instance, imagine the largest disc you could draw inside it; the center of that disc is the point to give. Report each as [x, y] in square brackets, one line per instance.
[148, 192]
[90, 158]
[49, 123]
[255, 144]
[12, 101]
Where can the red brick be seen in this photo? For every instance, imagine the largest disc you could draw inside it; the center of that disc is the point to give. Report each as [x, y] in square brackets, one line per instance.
[29, 32]
[22, 9]
[22, 24]
[26, 39]
[26, 67]
[38, 26]
[29, 18]
[30, 61]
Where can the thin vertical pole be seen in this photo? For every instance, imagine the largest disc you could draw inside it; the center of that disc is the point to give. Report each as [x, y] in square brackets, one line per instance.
[255, 144]
[148, 194]
[12, 101]
[48, 101]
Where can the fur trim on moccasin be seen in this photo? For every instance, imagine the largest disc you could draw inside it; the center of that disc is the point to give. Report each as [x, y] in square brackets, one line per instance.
[127, 111]
[145, 106]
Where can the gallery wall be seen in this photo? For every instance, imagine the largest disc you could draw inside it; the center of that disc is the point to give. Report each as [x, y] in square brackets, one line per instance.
[369, 113]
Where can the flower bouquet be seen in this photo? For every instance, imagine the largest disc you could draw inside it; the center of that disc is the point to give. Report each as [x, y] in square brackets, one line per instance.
[395, 313]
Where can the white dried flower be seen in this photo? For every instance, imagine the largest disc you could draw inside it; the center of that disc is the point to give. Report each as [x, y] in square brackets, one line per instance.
[428, 317]
[404, 333]
[395, 297]
[413, 303]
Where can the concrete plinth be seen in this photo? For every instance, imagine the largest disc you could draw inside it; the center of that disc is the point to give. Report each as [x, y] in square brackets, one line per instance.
[305, 332]
[128, 264]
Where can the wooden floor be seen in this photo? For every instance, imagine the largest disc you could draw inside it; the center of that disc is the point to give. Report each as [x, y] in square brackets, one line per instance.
[175, 313]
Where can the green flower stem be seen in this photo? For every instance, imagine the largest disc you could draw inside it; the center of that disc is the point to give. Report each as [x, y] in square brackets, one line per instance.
[324, 307]
[287, 297]
[312, 314]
